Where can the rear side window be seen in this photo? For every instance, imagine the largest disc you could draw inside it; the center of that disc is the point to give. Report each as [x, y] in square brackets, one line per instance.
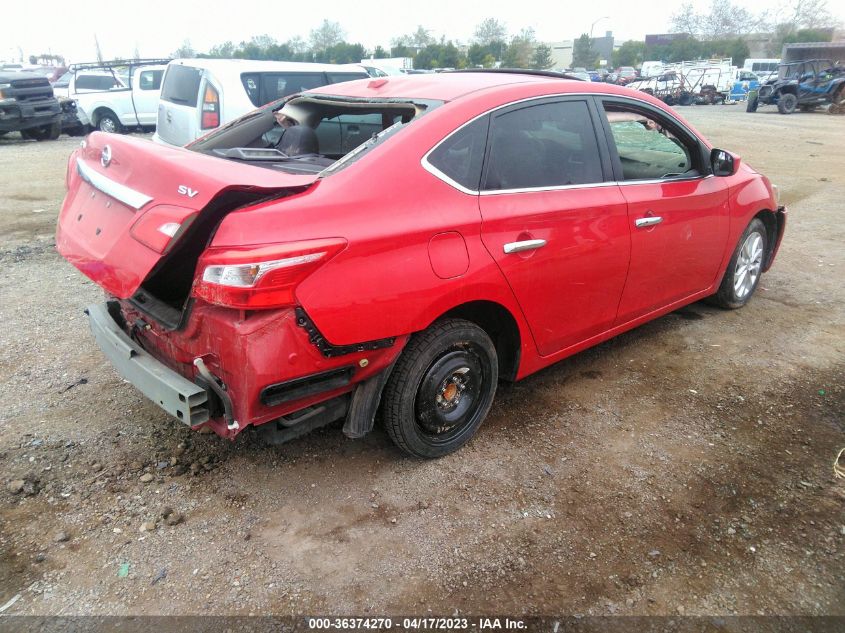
[262, 88]
[182, 85]
[546, 145]
[150, 79]
[461, 155]
[96, 82]
[336, 78]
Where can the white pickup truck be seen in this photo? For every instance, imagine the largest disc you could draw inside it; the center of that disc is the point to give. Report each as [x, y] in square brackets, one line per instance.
[114, 96]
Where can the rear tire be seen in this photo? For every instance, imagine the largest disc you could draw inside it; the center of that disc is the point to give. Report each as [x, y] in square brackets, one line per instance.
[744, 269]
[108, 122]
[685, 99]
[752, 104]
[441, 389]
[787, 103]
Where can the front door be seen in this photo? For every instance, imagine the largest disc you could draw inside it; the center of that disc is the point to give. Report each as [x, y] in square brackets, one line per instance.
[678, 213]
[553, 220]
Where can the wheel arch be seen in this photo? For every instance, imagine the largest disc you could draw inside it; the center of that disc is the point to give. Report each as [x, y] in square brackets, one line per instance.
[774, 224]
[98, 113]
[500, 325]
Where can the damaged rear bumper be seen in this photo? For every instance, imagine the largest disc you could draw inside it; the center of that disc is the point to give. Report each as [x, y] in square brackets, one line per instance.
[175, 394]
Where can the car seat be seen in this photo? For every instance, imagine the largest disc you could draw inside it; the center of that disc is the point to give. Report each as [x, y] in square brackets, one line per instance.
[299, 140]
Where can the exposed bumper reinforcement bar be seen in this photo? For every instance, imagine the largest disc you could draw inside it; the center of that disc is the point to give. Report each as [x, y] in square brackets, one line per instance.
[172, 392]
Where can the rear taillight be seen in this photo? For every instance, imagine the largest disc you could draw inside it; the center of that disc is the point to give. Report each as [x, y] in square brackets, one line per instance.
[210, 108]
[260, 277]
[160, 227]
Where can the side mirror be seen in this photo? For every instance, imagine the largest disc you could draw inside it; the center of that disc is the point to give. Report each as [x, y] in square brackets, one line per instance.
[723, 163]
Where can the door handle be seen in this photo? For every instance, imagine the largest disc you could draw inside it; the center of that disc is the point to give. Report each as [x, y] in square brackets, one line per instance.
[648, 221]
[527, 245]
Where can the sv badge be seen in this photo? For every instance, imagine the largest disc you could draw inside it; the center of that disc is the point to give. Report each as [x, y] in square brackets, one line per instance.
[187, 191]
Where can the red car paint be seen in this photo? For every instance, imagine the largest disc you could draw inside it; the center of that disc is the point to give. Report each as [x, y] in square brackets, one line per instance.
[416, 247]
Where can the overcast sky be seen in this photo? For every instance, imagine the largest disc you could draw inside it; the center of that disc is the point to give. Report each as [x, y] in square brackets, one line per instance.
[158, 27]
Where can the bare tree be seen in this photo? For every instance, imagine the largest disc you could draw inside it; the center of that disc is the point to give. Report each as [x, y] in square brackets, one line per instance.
[723, 19]
[686, 20]
[297, 44]
[97, 50]
[185, 50]
[326, 35]
[807, 14]
[490, 30]
[421, 37]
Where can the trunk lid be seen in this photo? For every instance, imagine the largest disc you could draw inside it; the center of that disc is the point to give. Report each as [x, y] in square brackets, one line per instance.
[115, 181]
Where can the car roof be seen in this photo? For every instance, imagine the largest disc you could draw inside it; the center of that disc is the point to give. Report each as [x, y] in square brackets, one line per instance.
[13, 75]
[237, 66]
[453, 85]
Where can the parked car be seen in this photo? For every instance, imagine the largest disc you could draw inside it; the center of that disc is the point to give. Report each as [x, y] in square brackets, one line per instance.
[744, 82]
[199, 95]
[497, 223]
[28, 106]
[765, 69]
[626, 74]
[74, 82]
[803, 85]
[116, 96]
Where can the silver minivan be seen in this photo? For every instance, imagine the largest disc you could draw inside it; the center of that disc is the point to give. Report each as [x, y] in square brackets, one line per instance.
[198, 95]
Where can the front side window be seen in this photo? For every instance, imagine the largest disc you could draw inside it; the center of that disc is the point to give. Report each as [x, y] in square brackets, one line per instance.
[150, 79]
[545, 145]
[647, 149]
[461, 155]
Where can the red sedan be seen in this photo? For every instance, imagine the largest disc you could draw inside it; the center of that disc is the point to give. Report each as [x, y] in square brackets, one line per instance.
[400, 245]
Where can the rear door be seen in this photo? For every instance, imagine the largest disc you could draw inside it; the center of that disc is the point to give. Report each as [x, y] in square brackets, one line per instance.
[178, 107]
[554, 220]
[678, 213]
[145, 93]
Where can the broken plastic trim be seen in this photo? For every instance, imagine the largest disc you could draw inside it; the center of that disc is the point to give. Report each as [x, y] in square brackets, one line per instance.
[309, 385]
[231, 422]
[328, 350]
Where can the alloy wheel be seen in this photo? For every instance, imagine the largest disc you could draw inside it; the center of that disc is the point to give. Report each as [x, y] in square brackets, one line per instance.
[748, 265]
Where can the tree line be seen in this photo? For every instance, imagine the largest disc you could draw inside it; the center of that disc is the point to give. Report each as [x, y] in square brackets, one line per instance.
[327, 44]
[721, 30]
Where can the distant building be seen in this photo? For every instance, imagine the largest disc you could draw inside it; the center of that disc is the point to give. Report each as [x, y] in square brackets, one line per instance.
[834, 51]
[604, 45]
[662, 39]
[562, 53]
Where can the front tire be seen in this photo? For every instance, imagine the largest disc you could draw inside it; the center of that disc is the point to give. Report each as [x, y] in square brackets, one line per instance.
[744, 270]
[787, 103]
[441, 389]
[43, 133]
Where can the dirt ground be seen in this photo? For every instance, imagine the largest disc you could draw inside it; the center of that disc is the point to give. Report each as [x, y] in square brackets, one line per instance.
[685, 467]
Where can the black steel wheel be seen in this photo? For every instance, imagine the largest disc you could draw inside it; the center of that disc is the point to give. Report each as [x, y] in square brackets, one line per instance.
[441, 389]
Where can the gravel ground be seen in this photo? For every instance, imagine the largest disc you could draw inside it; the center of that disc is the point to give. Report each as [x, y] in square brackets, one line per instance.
[684, 467]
